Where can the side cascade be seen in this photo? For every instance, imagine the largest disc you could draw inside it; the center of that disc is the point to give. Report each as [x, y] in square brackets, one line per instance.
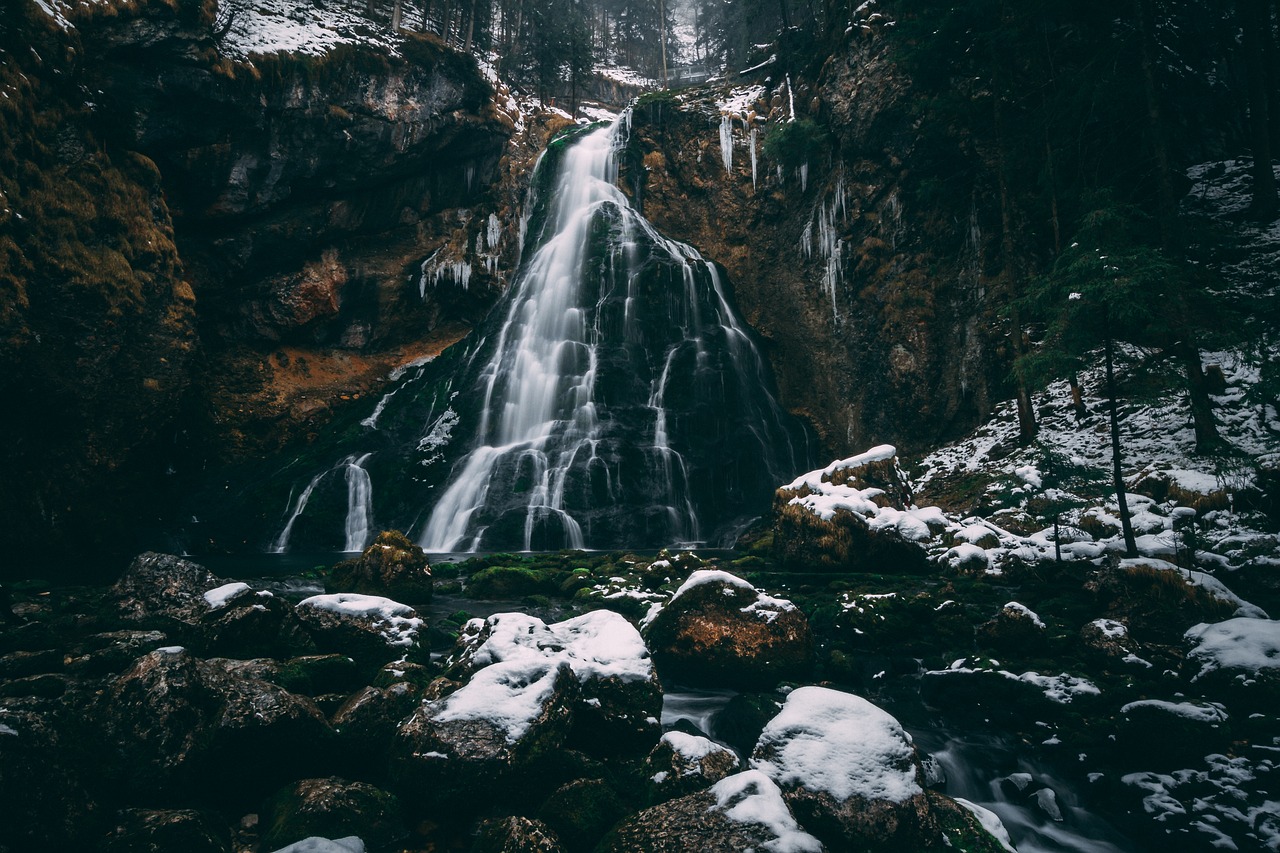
[612, 399]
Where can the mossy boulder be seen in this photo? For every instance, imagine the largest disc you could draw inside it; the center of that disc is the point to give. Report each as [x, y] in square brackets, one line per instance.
[504, 582]
[392, 567]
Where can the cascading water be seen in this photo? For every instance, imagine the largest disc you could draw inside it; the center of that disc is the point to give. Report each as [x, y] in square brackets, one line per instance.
[612, 399]
[622, 398]
[280, 544]
[359, 503]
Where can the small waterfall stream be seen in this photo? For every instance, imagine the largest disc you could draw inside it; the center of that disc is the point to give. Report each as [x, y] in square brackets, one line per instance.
[359, 503]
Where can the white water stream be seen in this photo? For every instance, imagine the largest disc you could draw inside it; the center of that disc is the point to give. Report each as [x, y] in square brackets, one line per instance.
[540, 413]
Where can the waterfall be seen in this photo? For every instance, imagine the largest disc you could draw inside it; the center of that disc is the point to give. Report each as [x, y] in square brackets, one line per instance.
[359, 503]
[618, 401]
[281, 543]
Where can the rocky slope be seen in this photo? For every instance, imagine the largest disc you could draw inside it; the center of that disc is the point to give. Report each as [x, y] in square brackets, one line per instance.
[209, 250]
[870, 288]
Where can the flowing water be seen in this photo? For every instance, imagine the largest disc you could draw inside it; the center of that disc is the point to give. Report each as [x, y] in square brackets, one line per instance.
[612, 399]
[617, 346]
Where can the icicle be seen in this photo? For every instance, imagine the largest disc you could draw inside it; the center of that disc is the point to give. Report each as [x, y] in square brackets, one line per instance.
[791, 100]
[726, 141]
[752, 143]
[804, 177]
[494, 232]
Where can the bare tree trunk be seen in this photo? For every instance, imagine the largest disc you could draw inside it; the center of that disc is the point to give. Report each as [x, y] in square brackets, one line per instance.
[1077, 398]
[471, 26]
[1117, 468]
[395, 16]
[662, 30]
[1207, 437]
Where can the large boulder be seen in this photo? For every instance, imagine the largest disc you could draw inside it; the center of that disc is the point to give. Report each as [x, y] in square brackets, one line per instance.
[745, 811]
[1237, 659]
[620, 696]
[850, 774]
[471, 744]
[854, 515]
[392, 567]
[719, 630]
[332, 808]
[176, 723]
[369, 629]
[163, 590]
[515, 835]
[179, 829]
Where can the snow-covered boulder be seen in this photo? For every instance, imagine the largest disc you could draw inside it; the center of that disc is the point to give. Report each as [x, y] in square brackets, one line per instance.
[620, 696]
[720, 630]
[1016, 628]
[745, 811]
[392, 566]
[1237, 657]
[850, 774]
[683, 763]
[983, 688]
[1164, 735]
[331, 808]
[853, 515]
[368, 628]
[500, 722]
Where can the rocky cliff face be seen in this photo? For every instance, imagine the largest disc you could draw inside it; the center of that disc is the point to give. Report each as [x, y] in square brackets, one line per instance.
[868, 284]
[239, 242]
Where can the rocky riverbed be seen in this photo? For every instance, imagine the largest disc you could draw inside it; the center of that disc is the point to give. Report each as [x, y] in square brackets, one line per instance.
[179, 710]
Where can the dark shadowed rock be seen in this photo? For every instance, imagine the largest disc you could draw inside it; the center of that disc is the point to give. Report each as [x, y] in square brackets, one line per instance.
[515, 835]
[366, 723]
[173, 723]
[46, 803]
[254, 624]
[719, 630]
[162, 589]
[582, 811]
[392, 566]
[332, 808]
[187, 830]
